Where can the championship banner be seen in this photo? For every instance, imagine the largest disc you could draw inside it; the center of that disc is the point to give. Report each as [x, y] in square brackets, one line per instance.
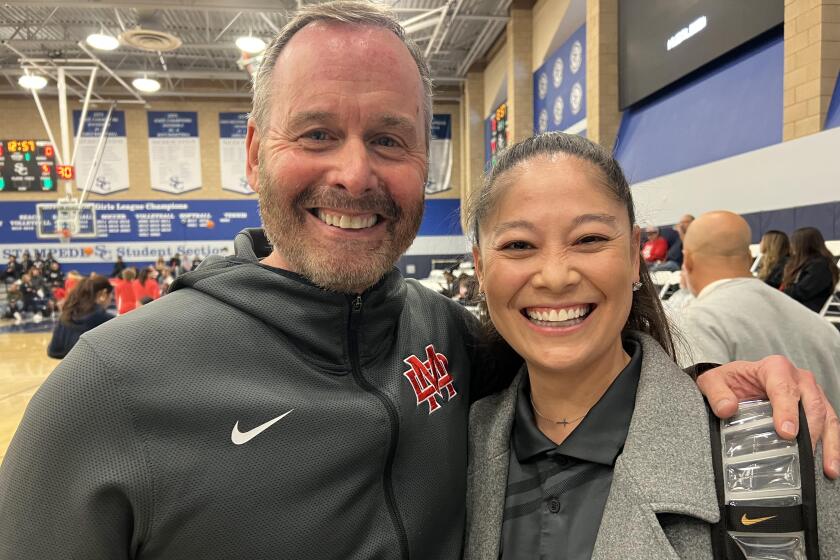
[440, 155]
[233, 127]
[174, 151]
[112, 175]
[560, 88]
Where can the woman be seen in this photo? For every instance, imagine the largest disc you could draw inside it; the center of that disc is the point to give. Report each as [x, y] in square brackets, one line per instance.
[126, 292]
[599, 447]
[775, 251]
[810, 274]
[84, 309]
[655, 248]
[146, 285]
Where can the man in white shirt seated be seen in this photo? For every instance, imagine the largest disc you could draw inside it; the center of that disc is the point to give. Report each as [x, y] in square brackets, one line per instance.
[738, 317]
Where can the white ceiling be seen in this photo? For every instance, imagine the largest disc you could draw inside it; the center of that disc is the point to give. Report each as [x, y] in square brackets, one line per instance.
[460, 31]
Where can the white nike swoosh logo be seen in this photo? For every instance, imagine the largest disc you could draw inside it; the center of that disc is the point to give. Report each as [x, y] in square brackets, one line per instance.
[239, 438]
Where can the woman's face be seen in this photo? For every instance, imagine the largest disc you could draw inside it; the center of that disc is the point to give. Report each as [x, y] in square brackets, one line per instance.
[557, 261]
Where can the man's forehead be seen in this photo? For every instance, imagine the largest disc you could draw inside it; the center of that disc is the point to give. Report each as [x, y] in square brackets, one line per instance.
[336, 44]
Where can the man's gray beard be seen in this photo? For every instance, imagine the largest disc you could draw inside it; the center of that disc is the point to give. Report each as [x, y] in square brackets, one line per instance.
[351, 268]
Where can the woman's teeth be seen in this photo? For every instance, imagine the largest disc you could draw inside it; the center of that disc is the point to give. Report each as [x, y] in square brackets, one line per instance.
[347, 222]
[559, 317]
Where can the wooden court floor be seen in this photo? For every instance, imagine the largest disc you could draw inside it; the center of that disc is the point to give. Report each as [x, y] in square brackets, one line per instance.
[23, 367]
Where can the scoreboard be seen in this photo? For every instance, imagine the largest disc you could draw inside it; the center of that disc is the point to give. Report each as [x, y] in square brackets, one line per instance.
[28, 165]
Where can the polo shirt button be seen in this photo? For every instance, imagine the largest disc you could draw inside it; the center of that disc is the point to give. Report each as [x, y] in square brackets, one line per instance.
[554, 505]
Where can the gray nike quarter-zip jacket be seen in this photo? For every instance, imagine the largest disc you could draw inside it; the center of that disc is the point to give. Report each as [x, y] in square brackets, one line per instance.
[250, 415]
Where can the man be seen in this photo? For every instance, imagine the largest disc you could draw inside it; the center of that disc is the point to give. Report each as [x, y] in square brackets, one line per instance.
[298, 400]
[674, 258]
[738, 317]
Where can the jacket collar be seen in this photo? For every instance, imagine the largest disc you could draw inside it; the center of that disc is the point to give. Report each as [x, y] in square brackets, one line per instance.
[666, 465]
[313, 321]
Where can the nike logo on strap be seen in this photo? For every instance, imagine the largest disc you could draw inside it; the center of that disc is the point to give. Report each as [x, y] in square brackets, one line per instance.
[239, 438]
[747, 521]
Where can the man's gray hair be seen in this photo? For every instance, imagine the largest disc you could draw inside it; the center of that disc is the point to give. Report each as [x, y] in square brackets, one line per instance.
[341, 11]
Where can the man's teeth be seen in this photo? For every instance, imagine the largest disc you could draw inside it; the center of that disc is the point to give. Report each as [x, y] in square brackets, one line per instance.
[558, 315]
[347, 222]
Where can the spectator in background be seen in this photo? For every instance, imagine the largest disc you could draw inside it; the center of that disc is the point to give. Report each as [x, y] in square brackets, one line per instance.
[738, 317]
[467, 290]
[810, 274]
[147, 284]
[125, 292]
[119, 266]
[674, 257]
[54, 276]
[38, 261]
[160, 266]
[25, 261]
[83, 310]
[195, 262]
[12, 271]
[775, 252]
[73, 278]
[655, 248]
[14, 303]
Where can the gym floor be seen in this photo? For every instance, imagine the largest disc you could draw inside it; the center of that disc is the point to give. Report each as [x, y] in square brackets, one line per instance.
[23, 367]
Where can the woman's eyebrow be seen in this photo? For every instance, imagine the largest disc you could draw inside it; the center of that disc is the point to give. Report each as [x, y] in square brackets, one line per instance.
[505, 226]
[607, 219]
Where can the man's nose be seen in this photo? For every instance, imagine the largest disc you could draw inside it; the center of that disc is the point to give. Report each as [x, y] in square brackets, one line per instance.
[353, 170]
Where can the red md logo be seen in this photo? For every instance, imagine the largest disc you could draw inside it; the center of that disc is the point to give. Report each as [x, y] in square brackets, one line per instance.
[430, 378]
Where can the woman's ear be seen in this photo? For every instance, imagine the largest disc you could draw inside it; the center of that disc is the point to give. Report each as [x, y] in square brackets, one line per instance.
[479, 273]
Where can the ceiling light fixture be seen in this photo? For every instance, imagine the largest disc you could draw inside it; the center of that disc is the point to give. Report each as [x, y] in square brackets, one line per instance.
[146, 85]
[32, 81]
[103, 41]
[250, 44]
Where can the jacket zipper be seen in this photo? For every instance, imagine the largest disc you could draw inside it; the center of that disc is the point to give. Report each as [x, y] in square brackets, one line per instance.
[393, 418]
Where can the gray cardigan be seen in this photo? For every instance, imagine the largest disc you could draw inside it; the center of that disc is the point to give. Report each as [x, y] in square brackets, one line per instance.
[662, 499]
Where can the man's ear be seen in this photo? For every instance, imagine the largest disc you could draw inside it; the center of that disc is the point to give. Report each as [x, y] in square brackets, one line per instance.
[252, 150]
[479, 272]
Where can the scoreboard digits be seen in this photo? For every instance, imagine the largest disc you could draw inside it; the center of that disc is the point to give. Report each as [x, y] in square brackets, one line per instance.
[29, 165]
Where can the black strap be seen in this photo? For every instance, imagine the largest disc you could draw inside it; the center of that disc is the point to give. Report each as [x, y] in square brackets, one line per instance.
[809, 488]
[719, 534]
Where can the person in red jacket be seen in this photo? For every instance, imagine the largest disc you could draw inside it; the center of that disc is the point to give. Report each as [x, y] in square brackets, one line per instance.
[124, 291]
[146, 284]
[655, 248]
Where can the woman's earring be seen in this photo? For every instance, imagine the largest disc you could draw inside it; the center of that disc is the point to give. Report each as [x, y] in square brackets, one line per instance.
[637, 286]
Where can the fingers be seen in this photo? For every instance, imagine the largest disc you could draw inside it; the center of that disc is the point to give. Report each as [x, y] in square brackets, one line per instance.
[831, 441]
[782, 387]
[814, 403]
[713, 384]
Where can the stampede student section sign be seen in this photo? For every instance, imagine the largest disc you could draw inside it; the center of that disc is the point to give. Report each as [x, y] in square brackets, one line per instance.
[174, 151]
[112, 175]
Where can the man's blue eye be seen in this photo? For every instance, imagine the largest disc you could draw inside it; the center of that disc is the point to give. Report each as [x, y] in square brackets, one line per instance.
[386, 141]
[316, 135]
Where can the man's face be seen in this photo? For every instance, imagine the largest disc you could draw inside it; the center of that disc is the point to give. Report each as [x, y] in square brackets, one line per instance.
[341, 165]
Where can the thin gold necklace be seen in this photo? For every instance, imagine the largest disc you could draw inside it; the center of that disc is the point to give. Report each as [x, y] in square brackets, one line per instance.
[562, 422]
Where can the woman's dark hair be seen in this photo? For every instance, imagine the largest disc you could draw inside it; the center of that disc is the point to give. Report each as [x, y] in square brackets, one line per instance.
[807, 244]
[81, 300]
[776, 247]
[144, 274]
[646, 313]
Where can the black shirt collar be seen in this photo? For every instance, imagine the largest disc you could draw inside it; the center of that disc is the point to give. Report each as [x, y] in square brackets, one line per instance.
[600, 436]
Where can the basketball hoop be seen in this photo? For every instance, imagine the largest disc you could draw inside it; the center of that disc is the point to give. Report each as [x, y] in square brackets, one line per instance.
[65, 219]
